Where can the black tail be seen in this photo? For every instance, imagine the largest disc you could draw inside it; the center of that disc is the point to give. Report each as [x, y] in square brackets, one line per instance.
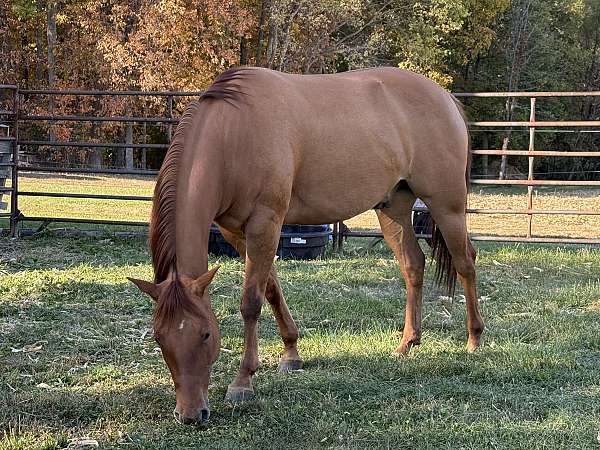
[445, 273]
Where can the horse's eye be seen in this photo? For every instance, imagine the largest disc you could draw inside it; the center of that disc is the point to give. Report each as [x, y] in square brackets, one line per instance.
[205, 337]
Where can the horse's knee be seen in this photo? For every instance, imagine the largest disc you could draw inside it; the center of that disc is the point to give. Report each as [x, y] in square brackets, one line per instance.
[251, 307]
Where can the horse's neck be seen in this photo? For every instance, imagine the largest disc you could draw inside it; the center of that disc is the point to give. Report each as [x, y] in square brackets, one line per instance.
[198, 201]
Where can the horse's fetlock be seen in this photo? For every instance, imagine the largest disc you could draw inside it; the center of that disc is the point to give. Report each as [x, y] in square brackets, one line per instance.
[291, 338]
[413, 338]
[477, 330]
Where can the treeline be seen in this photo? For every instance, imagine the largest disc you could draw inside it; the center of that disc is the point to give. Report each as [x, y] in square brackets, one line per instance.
[465, 45]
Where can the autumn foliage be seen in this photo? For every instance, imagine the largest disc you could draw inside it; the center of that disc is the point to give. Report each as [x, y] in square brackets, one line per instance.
[150, 45]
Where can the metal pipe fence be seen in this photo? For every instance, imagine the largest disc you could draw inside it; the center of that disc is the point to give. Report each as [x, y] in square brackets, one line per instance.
[18, 118]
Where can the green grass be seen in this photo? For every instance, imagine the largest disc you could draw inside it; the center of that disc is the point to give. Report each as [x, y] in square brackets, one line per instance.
[97, 375]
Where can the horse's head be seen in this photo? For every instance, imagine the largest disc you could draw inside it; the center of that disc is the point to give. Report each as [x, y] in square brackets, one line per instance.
[187, 332]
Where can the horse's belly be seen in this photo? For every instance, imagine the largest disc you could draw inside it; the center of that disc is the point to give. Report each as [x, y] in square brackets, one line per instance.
[340, 195]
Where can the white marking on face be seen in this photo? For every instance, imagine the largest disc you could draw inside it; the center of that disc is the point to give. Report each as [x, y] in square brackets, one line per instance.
[182, 324]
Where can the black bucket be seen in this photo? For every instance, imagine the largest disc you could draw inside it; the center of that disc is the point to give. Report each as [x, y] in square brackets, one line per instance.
[217, 245]
[303, 241]
[296, 242]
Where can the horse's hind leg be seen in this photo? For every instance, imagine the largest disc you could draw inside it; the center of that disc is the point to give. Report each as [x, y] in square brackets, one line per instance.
[449, 215]
[290, 360]
[396, 225]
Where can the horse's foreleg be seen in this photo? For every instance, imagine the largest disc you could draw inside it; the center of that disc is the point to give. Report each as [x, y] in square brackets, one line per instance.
[396, 225]
[262, 235]
[290, 360]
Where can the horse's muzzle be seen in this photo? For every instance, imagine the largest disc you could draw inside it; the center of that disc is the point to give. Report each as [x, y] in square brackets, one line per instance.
[201, 417]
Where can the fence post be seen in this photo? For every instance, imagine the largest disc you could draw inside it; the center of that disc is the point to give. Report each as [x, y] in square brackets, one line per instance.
[170, 112]
[340, 244]
[530, 167]
[334, 234]
[14, 198]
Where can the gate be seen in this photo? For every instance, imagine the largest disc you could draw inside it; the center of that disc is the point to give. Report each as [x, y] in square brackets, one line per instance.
[9, 132]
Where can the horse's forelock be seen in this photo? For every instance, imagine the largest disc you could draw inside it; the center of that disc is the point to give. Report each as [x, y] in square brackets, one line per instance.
[172, 302]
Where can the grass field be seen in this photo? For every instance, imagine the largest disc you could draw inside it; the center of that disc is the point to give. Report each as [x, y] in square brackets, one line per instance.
[79, 362]
[488, 197]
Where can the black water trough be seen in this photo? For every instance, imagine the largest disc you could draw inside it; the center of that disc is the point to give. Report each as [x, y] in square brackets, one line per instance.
[296, 242]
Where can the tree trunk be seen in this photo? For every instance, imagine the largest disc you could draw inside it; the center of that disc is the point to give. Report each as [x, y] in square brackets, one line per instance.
[144, 150]
[39, 47]
[272, 40]
[261, 21]
[243, 52]
[510, 108]
[51, 38]
[516, 56]
[484, 158]
[286, 38]
[96, 158]
[95, 152]
[129, 150]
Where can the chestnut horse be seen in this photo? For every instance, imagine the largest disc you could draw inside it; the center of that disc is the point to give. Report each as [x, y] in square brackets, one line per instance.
[262, 148]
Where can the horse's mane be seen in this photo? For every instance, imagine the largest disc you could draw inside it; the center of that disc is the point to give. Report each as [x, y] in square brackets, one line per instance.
[162, 222]
[225, 86]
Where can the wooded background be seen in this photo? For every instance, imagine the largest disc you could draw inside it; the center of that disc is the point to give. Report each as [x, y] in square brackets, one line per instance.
[465, 45]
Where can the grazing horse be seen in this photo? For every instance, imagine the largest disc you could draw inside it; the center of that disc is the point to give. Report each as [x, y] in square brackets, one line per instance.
[261, 148]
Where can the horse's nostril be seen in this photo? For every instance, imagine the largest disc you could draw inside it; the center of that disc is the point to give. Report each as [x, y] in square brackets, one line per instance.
[180, 418]
[204, 415]
[177, 415]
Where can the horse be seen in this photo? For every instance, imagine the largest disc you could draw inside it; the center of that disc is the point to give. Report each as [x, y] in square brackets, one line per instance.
[261, 148]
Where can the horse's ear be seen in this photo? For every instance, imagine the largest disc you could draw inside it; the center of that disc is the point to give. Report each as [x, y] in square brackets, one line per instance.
[200, 284]
[146, 287]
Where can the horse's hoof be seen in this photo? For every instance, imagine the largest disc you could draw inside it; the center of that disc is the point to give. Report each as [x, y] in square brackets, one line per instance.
[473, 345]
[404, 349]
[237, 395]
[289, 365]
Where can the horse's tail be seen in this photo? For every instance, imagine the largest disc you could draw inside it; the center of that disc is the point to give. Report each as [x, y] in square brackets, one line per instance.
[445, 273]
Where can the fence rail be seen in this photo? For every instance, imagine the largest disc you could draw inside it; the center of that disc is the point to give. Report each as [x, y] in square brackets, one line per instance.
[17, 118]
